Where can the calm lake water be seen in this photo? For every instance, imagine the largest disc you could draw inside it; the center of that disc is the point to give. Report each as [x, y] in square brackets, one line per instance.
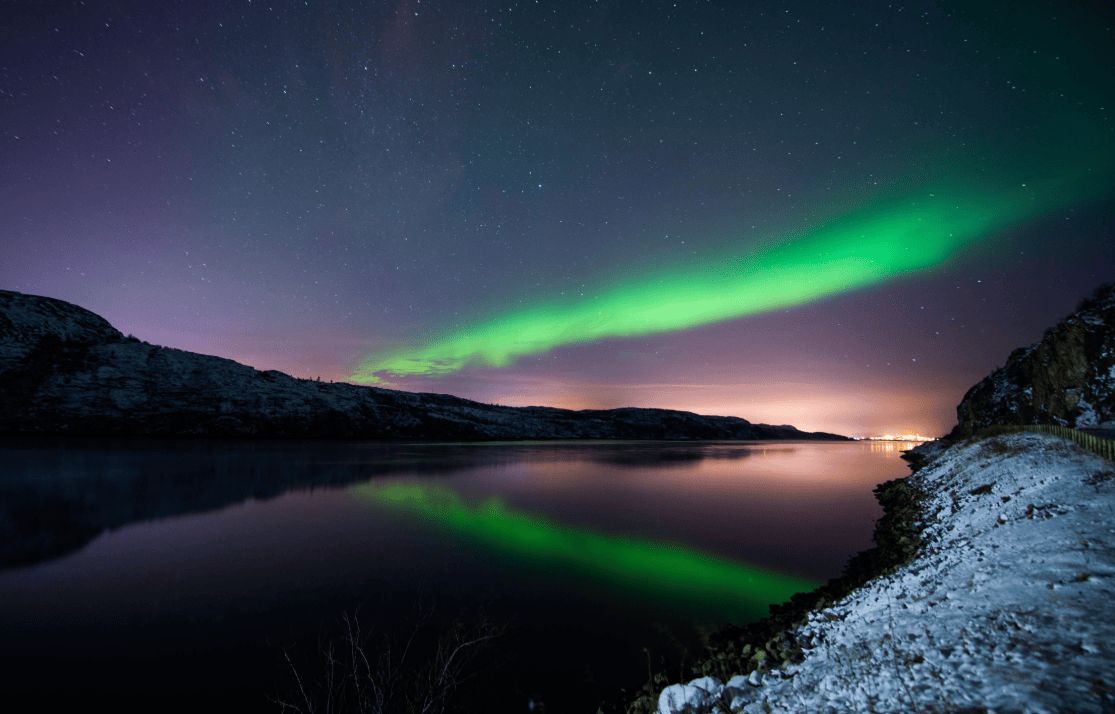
[156, 572]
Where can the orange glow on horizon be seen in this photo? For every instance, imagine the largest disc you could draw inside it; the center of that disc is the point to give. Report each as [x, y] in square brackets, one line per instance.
[850, 410]
[852, 407]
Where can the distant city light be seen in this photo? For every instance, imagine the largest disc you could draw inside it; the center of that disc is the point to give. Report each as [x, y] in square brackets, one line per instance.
[900, 437]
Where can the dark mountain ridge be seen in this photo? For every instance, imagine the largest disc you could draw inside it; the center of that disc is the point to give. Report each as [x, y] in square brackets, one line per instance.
[66, 370]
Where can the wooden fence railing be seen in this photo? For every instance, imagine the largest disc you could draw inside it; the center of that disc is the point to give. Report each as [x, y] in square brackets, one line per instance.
[1090, 442]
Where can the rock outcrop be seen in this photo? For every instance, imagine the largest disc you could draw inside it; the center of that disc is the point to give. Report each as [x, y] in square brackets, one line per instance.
[1068, 378]
[65, 370]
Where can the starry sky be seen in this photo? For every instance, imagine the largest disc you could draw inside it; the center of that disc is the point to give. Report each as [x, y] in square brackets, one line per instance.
[837, 215]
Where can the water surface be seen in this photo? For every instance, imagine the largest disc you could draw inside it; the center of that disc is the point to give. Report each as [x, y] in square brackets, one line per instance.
[157, 567]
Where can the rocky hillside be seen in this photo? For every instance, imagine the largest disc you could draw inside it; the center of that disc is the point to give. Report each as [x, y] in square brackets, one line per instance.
[1068, 378]
[65, 370]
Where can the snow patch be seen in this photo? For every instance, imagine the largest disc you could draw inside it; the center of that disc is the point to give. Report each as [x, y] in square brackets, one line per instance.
[1008, 605]
[1087, 416]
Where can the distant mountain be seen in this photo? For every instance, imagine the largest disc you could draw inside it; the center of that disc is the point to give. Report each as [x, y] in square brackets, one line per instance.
[1068, 378]
[66, 370]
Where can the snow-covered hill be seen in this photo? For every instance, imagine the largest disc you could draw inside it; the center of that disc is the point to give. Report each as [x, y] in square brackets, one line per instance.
[65, 370]
[1008, 605]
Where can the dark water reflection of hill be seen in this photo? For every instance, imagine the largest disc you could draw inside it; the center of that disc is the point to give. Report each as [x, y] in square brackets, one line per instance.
[144, 566]
[56, 495]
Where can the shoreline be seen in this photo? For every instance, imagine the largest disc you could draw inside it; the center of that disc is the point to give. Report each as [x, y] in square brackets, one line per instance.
[771, 642]
[952, 547]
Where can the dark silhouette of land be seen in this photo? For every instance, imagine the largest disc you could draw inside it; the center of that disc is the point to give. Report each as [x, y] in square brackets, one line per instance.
[65, 370]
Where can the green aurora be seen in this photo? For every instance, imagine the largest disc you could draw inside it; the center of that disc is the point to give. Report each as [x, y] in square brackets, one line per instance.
[865, 247]
[947, 201]
[663, 571]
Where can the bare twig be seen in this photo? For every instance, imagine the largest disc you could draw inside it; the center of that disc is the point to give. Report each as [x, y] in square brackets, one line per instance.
[350, 683]
[306, 699]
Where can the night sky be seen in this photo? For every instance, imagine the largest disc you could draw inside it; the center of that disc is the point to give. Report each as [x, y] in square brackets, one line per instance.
[834, 215]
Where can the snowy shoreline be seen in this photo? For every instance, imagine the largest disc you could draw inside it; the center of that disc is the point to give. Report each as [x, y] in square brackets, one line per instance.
[1007, 606]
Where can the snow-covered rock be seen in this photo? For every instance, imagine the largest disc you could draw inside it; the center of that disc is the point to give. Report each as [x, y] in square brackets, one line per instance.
[1008, 606]
[1068, 378]
[677, 698]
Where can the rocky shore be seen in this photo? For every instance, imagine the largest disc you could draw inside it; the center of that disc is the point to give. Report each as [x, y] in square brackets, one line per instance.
[991, 585]
[1007, 605]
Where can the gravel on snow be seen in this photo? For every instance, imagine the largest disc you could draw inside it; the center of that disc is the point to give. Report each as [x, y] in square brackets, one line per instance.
[1008, 606]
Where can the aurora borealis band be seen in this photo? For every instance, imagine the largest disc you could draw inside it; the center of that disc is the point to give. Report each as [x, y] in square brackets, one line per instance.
[661, 570]
[838, 215]
[870, 246]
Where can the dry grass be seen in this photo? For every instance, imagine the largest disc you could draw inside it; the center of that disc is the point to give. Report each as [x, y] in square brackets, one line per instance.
[354, 671]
